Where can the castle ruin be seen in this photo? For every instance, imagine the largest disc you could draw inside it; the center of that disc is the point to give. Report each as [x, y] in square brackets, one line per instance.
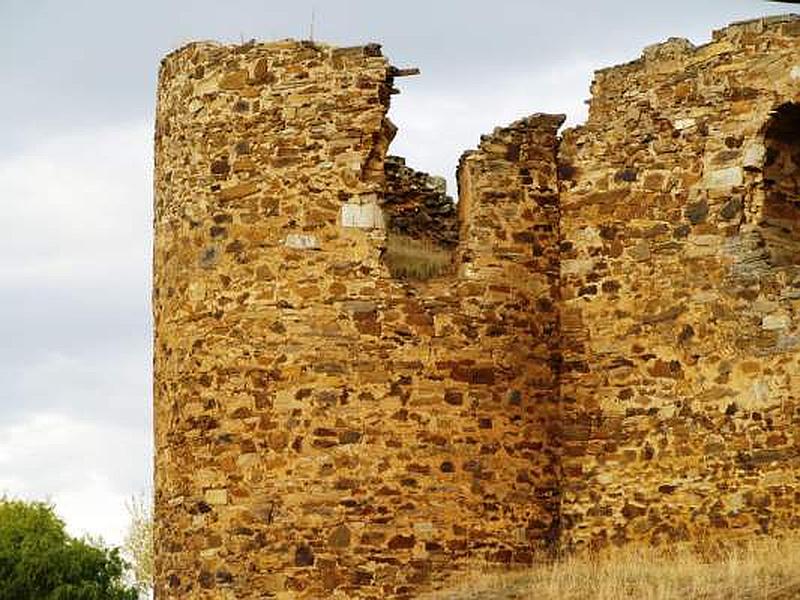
[611, 357]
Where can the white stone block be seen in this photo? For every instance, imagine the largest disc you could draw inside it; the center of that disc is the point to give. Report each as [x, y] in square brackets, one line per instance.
[754, 155]
[760, 391]
[300, 241]
[776, 322]
[724, 178]
[362, 213]
[795, 72]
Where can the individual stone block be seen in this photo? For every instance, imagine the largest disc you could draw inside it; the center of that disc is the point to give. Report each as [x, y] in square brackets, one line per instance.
[300, 241]
[362, 213]
[776, 322]
[724, 178]
[216, 497]
[681, 124]
[754, 155]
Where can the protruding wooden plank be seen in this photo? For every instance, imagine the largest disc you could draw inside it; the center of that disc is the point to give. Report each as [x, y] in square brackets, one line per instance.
[404, 72]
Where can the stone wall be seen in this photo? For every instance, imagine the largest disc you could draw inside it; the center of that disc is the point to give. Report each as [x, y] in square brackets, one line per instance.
[679, 318]
[322, 428]
[417, 205]
[261, 401]
[612, 357]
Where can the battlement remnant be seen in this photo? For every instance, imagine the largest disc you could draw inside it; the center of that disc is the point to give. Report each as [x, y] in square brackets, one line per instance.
[611, 356]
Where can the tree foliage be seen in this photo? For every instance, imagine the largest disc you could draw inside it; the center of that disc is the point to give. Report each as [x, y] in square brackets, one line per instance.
[138, 544]
[40, 561]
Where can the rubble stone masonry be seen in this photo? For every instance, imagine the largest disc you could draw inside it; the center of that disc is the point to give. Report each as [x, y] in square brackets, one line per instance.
[612, 357]
[680, 293]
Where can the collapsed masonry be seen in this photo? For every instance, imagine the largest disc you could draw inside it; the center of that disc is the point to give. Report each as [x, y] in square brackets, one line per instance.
[613, 357]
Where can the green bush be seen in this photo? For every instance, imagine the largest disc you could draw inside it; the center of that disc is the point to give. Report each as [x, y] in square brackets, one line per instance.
[40, 561]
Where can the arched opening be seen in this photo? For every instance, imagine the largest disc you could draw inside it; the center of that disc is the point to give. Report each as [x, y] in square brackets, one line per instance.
[781, 212]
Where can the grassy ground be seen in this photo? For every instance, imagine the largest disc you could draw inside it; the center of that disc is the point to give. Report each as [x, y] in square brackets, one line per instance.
[764, 569]
[416, 259]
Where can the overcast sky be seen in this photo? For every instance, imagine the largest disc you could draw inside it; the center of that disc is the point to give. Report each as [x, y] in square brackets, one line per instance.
[76, 109]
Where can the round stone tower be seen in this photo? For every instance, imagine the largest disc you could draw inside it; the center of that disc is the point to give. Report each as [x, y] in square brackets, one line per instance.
[324, 429]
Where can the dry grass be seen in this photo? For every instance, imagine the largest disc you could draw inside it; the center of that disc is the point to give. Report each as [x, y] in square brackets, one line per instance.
[763, 569]
[416, 259]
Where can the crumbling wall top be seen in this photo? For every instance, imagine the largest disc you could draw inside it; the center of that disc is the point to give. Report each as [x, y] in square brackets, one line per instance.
[790, 21]
[723, 41]
[211, 46]
[497, 141]
[760, 47]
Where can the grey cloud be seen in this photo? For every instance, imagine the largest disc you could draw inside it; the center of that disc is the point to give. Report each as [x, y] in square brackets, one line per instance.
[70, 65]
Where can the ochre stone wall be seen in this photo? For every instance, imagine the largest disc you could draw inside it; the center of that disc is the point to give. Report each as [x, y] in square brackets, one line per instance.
[323, 429]
[509, 246]
[612, 357]
[417, 205]
[260, 298]
[681, 330]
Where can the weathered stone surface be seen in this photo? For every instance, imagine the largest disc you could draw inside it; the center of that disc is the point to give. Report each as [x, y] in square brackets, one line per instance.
[418, 206]
[216, 496]
[343, 429]
[362, 213]
[301, 242]
[615, 359]
[700, 392]
[772, 322]
[728, 177]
